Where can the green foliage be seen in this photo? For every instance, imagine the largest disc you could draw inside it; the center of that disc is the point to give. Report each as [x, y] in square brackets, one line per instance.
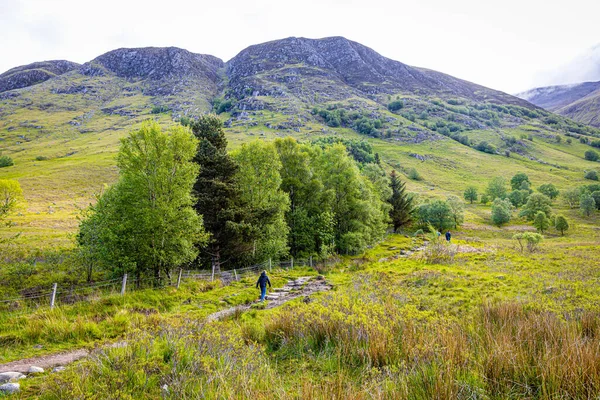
[159, 109]
[537, 202]
[221, 105]
[541, 221]
[414, 174]
[591, 175]
[549, 190]
[518, 197]
[561, 224]
[591, 155]
[528, 240]
[471, 194]
[259, 181]
[457, 208]
[218, 197]
[596, 196]
[395, 105]
[501, 211]
[145, 222]
[359, 149]
[11, 195]
[484, 199]
[403, 209]
[437, 213]
[486, 147]
[587, 204]
[518, 179]
[496, 188]
[6, 161]
[572, 196]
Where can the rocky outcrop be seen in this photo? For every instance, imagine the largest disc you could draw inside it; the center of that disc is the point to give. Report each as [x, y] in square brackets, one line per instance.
[154, 63]
[31, 74]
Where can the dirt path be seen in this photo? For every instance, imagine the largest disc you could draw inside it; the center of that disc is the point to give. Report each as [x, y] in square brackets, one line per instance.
[301, 287]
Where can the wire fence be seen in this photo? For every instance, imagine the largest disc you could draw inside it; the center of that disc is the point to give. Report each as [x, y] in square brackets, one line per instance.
[65, 294]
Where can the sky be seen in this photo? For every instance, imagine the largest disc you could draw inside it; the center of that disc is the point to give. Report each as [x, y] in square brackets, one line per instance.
[509, 45]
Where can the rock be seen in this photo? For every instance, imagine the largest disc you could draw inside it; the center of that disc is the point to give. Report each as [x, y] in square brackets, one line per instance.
[306, 299]
[38, 346]
[35, 370]
[10, 376]
[58, 369]
[10, 388]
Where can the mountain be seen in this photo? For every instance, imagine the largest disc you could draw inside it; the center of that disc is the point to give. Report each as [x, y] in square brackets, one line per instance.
[31, 74]
[556, 97]
[583, 68]
[63, 133]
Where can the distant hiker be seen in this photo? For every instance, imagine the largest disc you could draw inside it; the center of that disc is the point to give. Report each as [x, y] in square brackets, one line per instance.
[448, 236]
[263, 279]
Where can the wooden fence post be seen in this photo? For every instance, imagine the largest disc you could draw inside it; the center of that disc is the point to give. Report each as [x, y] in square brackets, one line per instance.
[270, 267]
[124, 285]
[310, 261]
[53, 298]
[235, 273]
[179, 277]
[212, 277]
[292, 263]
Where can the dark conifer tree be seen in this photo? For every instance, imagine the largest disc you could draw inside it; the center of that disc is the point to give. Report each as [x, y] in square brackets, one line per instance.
[402, 203]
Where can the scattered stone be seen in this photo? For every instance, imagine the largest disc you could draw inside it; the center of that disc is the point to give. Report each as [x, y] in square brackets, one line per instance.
[38, 346]
[10, 376]
[35, 370]
[10, 388]
[306, 299]
[58, 369]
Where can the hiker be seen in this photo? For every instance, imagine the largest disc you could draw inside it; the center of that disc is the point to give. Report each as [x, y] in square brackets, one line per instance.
[263, 279]
[448, 236]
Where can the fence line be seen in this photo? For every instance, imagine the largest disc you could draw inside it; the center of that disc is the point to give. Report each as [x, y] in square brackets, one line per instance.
[69, 294]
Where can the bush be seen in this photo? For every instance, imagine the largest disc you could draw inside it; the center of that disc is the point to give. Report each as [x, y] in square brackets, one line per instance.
[587, 204]
[596, 196]
[497, 188]
[395, 105]
[437, 213]
[485, 199]
[159, 109]
[414, 174]
[591, 155]
[6, 161]
[486, 147]
[591, 175]
[528, 239]
[541, 221]
[537, 202]
[41, 158]
[501, 212]
[518, 179]
[471, 194]
[549, 190]
[561, 224]
[518, 197]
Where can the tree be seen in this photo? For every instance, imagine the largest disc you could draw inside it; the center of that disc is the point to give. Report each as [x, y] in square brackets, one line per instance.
[541, 221]
[437, 213]
[529, 239]
[518, 197]
[501, 211]
[10, 196]
[549, 190]
[561, 224]
[218, 197]
[596, 196]
[572, 196]
[457, 208]
[537, 202]
[518, 179]
[587, 204]
[485, 199]
[259, 181]
[145, 223]
[358, 214]
[591, 175]
[496, 188]
[471, 194]
[591, 155]
[402, 210]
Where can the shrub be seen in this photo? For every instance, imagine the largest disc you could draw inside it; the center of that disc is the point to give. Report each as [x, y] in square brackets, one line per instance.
[485, 199]
[596, 196]
[395, 105]
[486, 147]
[529, 240]
[549, 190]
[591, 155]
[518, 179]
[497, 188]
[518, 197]
[587, 204]
[541, 221]
[561, 224]
[591, 175]
[41, 158]
[537, 202]
[437, 213]
[6, 161]
[159, 109]
[471, 194]
[438, 250]
[414, 174]
[501, 212]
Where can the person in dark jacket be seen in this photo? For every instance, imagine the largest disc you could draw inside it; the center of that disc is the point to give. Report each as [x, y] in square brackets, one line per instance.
[262, 281]
[448, 235]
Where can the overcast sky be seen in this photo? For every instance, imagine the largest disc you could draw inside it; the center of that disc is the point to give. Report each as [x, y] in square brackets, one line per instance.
[511, 45]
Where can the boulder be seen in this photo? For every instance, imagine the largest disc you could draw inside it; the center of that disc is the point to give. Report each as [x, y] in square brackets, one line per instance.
[10, 376]
[58, 369]
[9, 388]
[35, 370]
